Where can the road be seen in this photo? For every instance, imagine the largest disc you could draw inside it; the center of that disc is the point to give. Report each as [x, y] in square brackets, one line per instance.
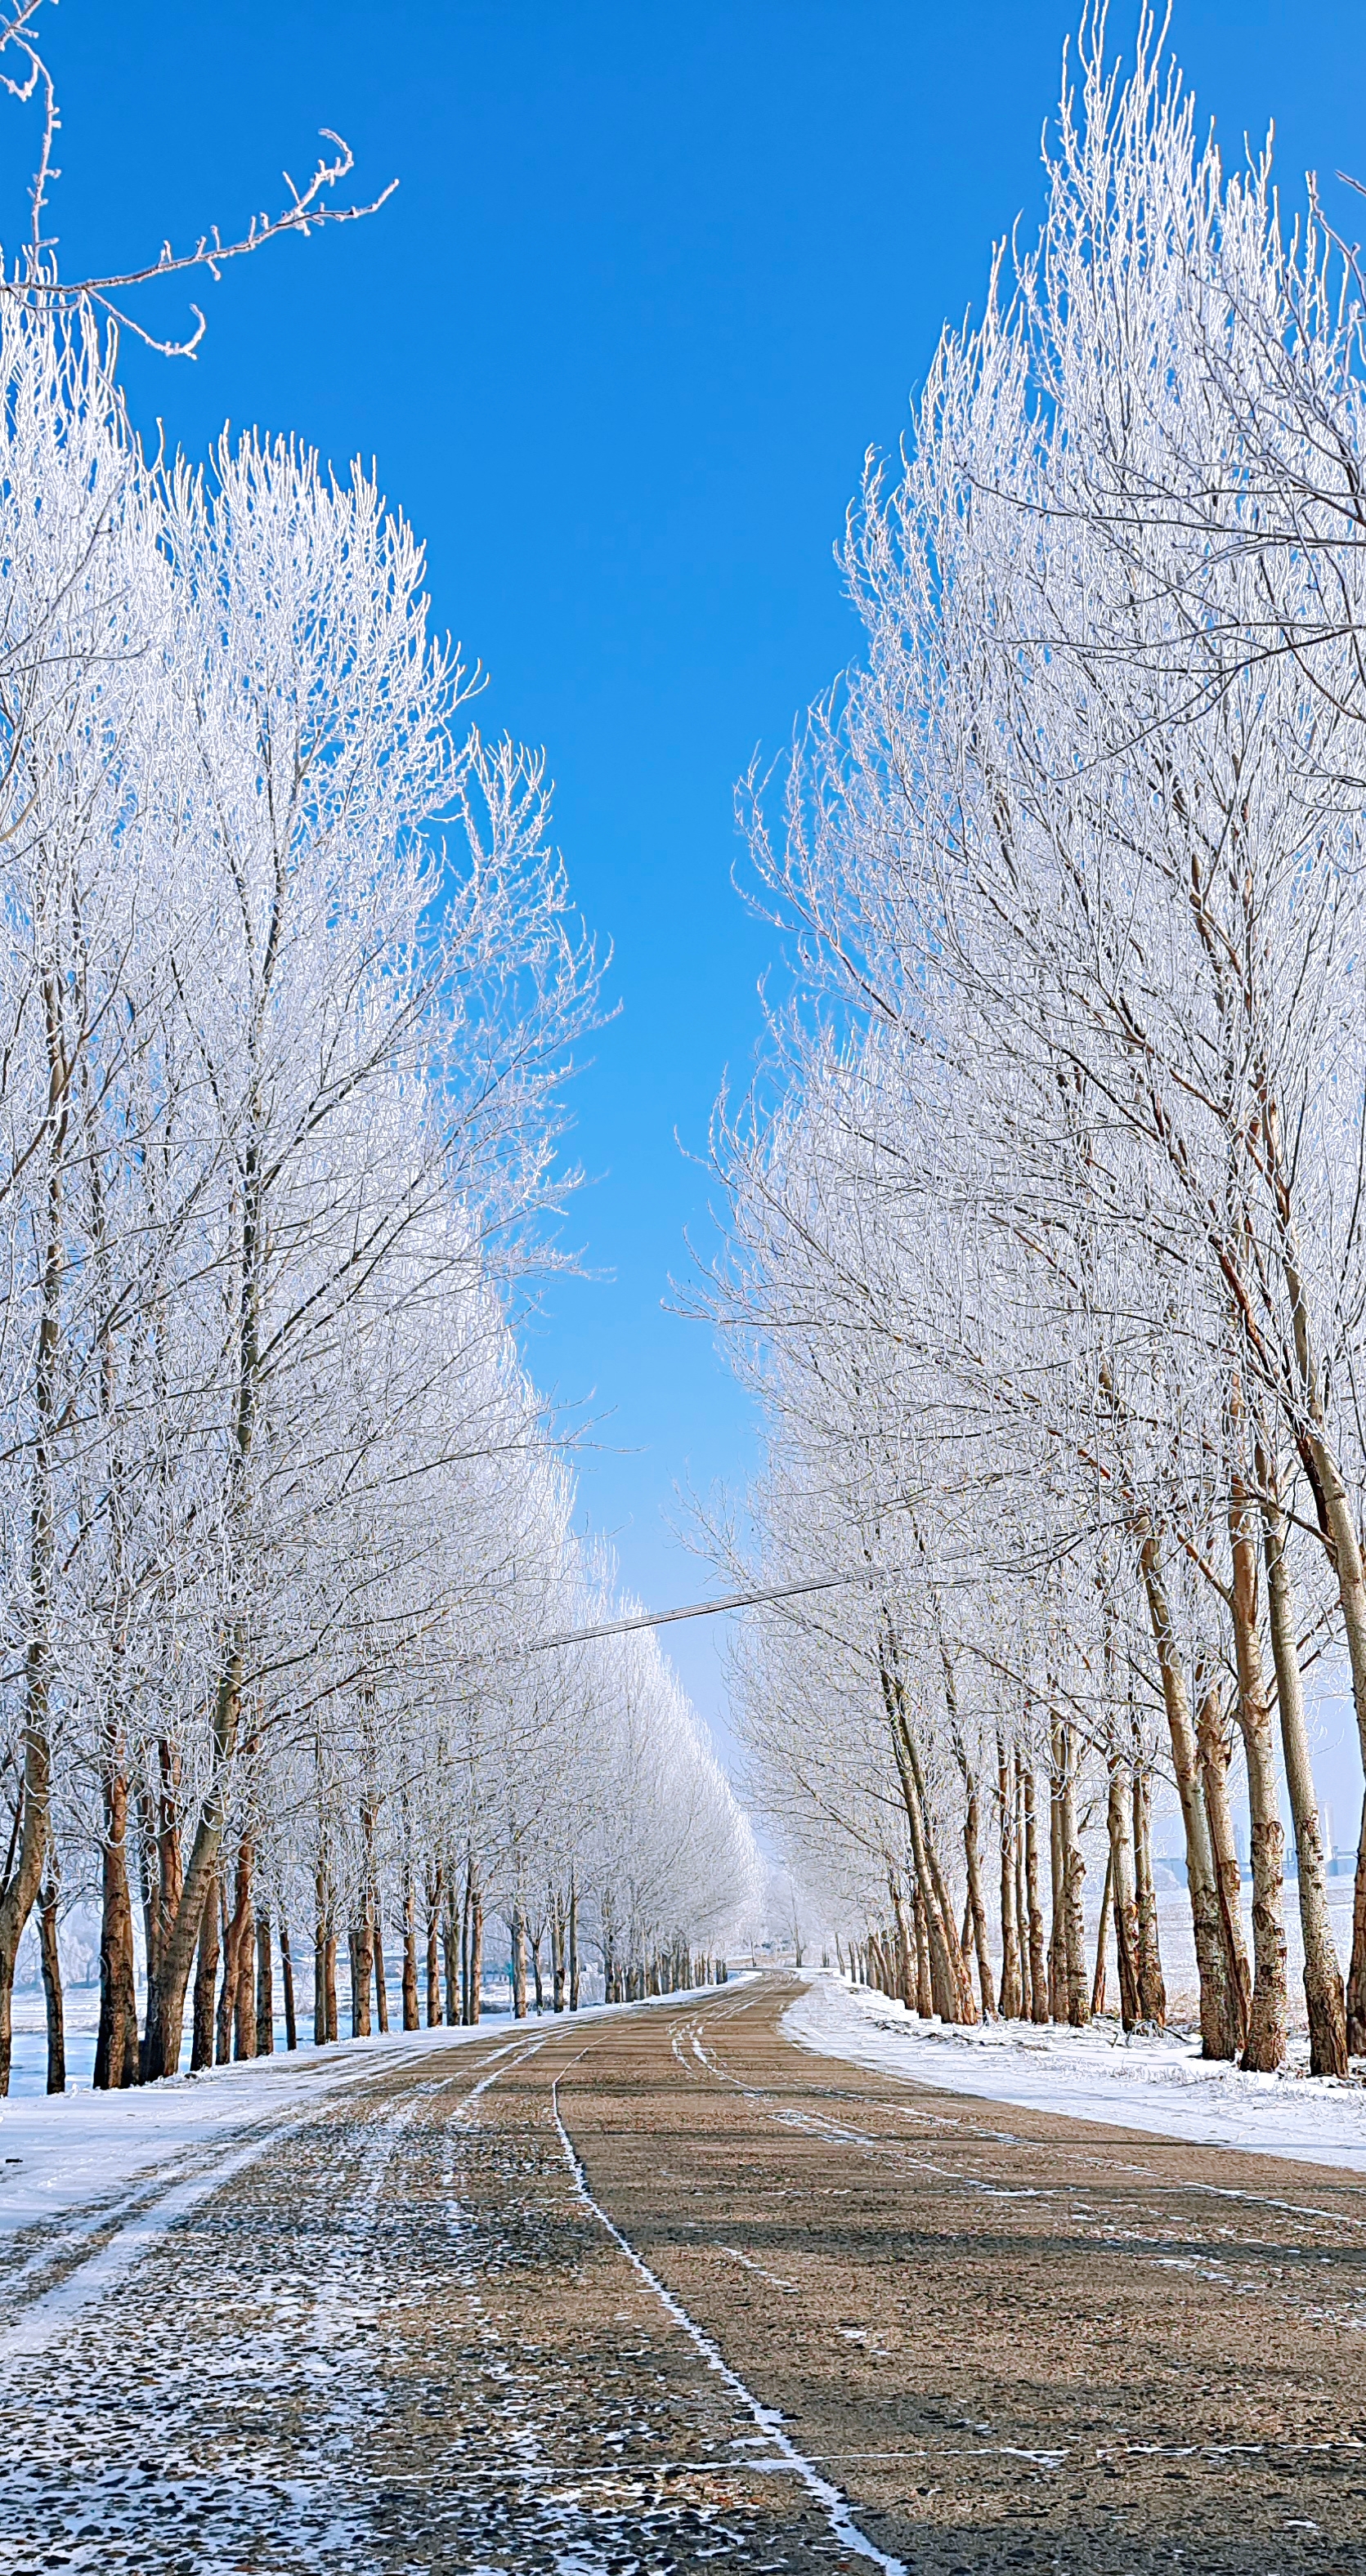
[661, 2291]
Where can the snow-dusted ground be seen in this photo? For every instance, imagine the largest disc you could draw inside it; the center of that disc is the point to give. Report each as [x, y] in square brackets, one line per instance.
[1158, 2082]
[81, 2015]
[74, 2151]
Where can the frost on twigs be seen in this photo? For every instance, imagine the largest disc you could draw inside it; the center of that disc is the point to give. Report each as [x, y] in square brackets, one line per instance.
[34, 276]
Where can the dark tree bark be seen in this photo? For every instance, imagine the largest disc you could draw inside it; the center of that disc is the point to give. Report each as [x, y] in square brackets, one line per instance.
[50, 1956]
[476, 1954]
[924, 1993]
[1151, 1986]
[1098, 1980]
[410, 2011]
[116, 2044]
[265, 1990]
[557, 1952]
[377, 1952]
[244, 1956]
[434, 1894]
[1011, 1997]
[287, 1983]
[450, 1943]
[1038, 1971]
[206, 1977]
[519, 1962]
[1119, 1822]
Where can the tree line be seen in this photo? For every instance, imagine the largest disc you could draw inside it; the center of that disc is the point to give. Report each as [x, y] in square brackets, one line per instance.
[290, 987]
[1045, 1229]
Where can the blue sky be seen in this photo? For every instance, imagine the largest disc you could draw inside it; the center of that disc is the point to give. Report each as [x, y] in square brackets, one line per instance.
[654, 280]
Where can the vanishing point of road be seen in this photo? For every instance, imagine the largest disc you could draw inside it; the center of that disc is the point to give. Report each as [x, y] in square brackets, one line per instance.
[662, 2291]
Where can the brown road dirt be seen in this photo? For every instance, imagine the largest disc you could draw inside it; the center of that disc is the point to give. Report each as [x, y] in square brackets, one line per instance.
[399, 2340]
[1015, 2341]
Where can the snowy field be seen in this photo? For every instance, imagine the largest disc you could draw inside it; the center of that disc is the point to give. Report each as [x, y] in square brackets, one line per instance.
[1158, 2083]
[1178, 1941]
[70, 2152]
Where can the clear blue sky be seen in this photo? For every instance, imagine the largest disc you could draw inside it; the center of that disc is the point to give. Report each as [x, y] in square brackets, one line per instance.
[655, 278]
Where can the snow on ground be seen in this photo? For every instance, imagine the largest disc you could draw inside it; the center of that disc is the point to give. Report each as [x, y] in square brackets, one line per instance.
[1156, 2081]
[72, 2152]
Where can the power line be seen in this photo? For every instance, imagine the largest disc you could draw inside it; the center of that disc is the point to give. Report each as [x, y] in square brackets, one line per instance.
[701, 1609]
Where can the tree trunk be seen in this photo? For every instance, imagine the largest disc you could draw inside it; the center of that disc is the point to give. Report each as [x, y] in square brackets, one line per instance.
[1216, 1746]
[433, 1964]
[23, 1879]
[1351, 1582]
[362, 1968]
[244, 1984]
[51, 1959]
[166, 1990]
[1218, 2013]
[265, 1990]
[116, 2046]
[905, 1944]
[1038, 1972]
[536, 1972]
[227, 1992]
[1151, 1988]
[976, 1906]
[410, 2012]
[924, 1992]
[1057, 1936]
[205, 1979]
[450, 1945]
[287, 1983]
[1119, 1823]
[1098, 1980]
[574, 1941]
[1074, 1876]
[147, 1892]
[519, 1964]
[322, 1913]
[1011, 1999]
[1323, 1988]
[946, 1959]
[557, 1953]
[465, 1951]
[377, 1953]
[1265, 2044]
[950, 1983]
[476, 1953]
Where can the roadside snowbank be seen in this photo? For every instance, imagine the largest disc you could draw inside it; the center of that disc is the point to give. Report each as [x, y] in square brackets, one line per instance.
[1158, 2083]
[78, 2150]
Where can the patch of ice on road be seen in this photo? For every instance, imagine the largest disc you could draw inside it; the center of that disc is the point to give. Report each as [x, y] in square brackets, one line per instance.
[1152, 2081]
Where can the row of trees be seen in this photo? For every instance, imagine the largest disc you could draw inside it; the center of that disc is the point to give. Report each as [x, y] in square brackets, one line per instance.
[289, 988]
[1047, 1229]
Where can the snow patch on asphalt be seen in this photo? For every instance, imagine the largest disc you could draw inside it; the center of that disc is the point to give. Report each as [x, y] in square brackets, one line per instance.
[843, 2528]
[1155, 2081]
[76, 2154]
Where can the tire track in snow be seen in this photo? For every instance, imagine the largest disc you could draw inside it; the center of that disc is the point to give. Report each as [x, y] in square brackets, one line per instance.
[832, 2503]
[821, 2126]
[49, 2315]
